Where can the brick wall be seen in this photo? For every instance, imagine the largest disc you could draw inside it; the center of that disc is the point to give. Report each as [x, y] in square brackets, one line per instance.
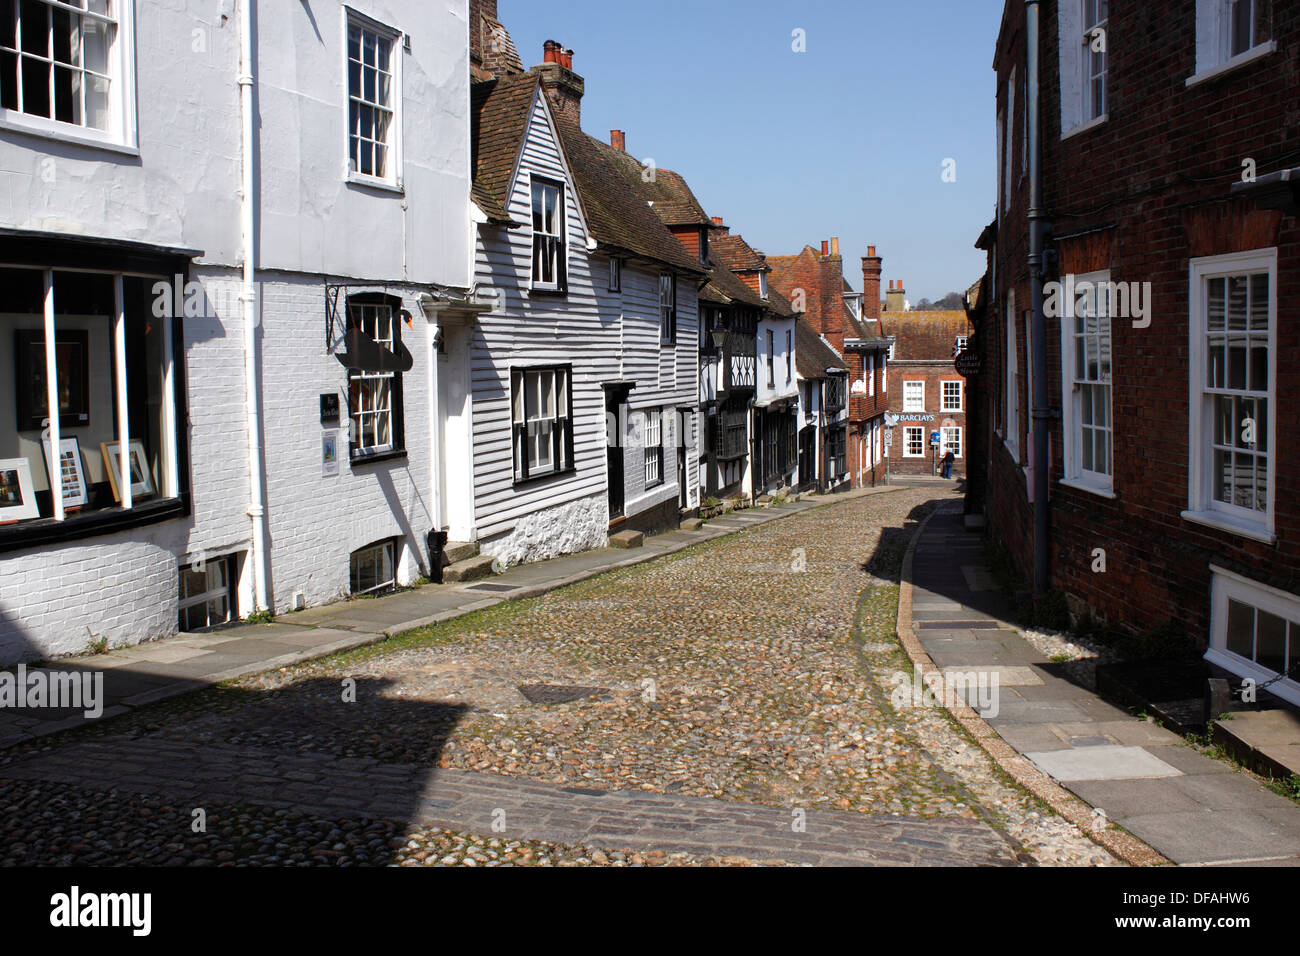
[1141, 194]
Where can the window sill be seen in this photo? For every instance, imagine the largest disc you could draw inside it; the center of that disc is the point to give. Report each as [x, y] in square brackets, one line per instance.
[1012, 449]
[1221, 522]
[30, 534]
[1227, 66]
[377, 457]
[1084, 127]
[542, 479]
[1287, 689]
[64, 133]
[548, 293]
[372, 182]
[1093, 488]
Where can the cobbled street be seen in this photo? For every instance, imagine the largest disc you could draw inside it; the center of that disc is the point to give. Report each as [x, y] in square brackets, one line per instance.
[726, 705]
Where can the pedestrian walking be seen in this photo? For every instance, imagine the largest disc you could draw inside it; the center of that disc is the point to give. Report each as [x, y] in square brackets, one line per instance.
[948, 459]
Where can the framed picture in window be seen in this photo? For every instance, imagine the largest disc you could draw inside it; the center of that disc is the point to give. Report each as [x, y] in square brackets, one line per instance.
[72, 356]
[142, 485]
[17, 499]
[71, 473]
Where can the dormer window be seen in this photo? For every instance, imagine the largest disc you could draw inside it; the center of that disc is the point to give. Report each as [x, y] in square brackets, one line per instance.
[762, 284]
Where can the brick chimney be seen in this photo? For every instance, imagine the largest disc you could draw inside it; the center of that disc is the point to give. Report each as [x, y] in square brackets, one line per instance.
[618, 139]
[562, 86]
[719, 227]
[895, 297]
[871, 267]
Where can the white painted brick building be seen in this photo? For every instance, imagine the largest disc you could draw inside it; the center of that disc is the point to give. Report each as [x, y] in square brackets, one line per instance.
[360, 158]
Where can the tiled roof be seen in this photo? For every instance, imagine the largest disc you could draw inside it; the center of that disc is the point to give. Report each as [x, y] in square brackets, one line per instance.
[725, 287]
[779, 304]
[499, 110]
[924, 335]
[735, 253]
[616, 215]
[812, 356]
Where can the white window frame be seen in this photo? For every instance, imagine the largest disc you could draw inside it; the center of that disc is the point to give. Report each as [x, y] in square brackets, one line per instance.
[1075, 475]
[389, 550]
[1011, 404]
[1092, 22]
[560, 236]
[870, 370]
[223, 591]
[122, 133]
[1202, 508]
[789, 356]
[653, 443]
[912, 400]
[1225, 586]
[998, 201]
[963, 342]
[946, 434]
[393, 179]
[1213, 42]
[1072, 63]
[907, 430]
[944, 388]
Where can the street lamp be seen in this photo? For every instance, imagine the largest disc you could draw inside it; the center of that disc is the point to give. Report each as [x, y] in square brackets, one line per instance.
[719, 338]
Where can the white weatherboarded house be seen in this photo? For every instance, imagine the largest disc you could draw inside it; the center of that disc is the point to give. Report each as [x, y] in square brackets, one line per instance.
[583, 372]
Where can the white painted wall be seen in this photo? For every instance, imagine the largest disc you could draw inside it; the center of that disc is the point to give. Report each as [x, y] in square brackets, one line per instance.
[180, 188]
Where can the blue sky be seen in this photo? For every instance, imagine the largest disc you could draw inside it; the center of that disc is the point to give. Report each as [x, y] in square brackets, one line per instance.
[846, 139]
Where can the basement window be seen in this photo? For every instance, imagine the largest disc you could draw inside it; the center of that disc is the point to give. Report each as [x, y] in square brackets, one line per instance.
[374, 568]
[207, 594]
[1255, 632]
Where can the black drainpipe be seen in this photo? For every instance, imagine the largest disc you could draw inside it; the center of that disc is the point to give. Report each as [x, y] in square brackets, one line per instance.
[1038, 227]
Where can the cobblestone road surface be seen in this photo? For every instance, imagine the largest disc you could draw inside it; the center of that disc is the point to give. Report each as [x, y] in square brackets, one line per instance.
[736, 709]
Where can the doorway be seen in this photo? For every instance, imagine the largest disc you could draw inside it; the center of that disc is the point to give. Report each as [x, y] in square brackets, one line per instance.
[614, 404]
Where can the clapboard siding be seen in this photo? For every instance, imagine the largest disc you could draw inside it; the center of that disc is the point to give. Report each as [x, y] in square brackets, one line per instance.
[605, 336]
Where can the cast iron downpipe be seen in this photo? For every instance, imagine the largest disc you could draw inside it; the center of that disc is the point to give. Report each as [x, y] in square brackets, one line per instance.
[1037, 227]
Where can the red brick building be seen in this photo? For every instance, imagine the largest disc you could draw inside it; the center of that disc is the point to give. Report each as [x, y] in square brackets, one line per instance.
[815, 285]
[1169, 134]
[928, 395]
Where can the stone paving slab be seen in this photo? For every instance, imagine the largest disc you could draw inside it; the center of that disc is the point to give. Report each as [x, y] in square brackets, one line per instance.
[1101, 763]
[1189, 807]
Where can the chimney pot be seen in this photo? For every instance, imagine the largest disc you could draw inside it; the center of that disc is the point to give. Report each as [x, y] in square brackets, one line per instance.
[871, 250]
[825, 247]
[550, 52]
[618, 139]
[717, 220]
[835, 245]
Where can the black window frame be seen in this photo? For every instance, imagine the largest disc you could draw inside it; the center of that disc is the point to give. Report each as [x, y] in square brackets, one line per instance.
[614, 281]
[771, 358]
[396, 397]
[668, 313]
[561, 427]
[27, 249]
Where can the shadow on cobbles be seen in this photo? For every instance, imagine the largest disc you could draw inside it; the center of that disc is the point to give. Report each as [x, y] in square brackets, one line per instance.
[302, 775]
